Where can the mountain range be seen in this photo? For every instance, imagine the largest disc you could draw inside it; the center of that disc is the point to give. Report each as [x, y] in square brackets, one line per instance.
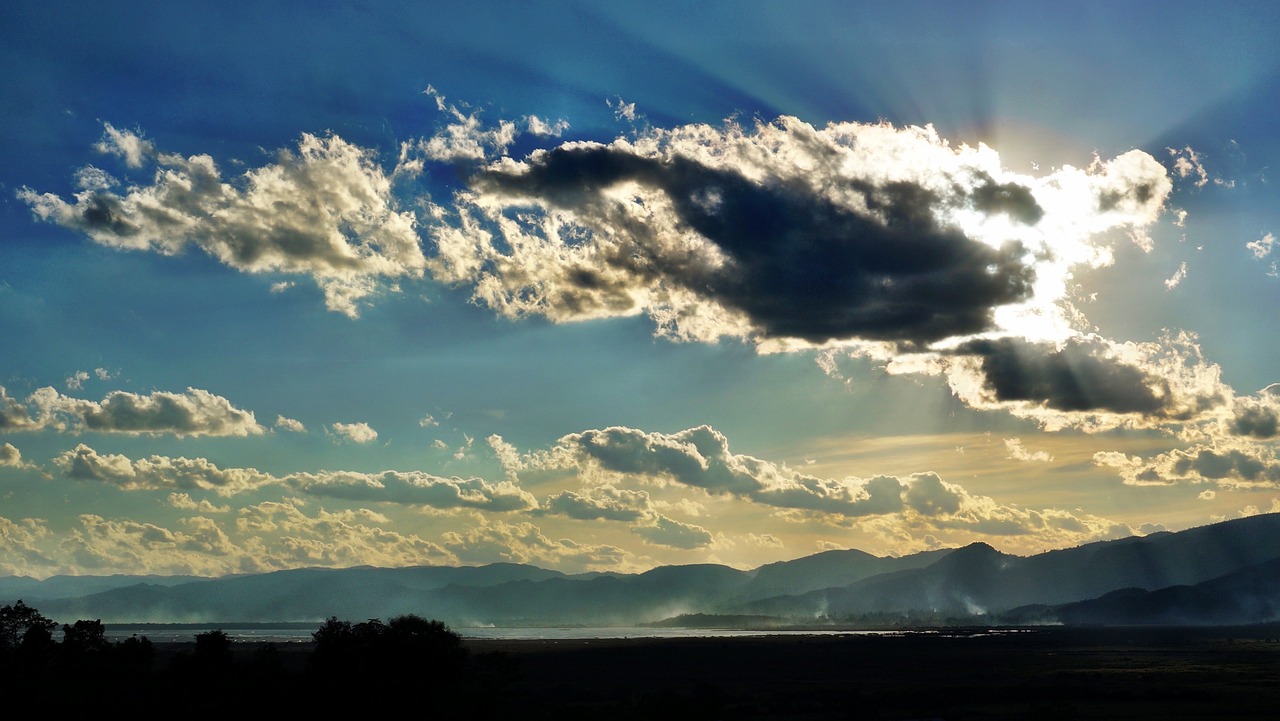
[1224, 573]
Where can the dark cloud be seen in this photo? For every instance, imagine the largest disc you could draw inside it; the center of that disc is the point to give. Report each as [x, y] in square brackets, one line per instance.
[1077, 377]
[799, 265]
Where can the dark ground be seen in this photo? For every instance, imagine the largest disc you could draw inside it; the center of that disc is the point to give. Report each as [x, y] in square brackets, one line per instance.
[1130, 674]
[1055, 674]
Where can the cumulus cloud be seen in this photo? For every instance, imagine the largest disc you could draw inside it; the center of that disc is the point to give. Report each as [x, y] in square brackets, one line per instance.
[700, 458]
[1089, 382]
[1176, 279]
[354, 432]
[415, 488]
[10, 455]
[185, 502]
[193, 413]
[14, 416]
[785, 232]
[76, 381]
[1229, 465]
[401, 487]
[22, 551]
[526, 543]
[607, 502]
[665, 531]
[325, 210]
[290, 537]
[158, 472]
[290, 425]
[1257, 416]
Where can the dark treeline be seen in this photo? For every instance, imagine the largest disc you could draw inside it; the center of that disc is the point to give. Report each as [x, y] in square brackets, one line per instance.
[406, 662]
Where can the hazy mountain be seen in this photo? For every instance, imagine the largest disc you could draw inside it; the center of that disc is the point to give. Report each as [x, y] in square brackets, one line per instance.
[1250, 595]
[828, 569]
[1228, 570]
[32, 589]
[978, 579]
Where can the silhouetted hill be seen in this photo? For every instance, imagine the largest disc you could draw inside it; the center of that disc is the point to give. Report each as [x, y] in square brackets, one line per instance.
[828, 569]
[974, 581]
[979, 580]
[1248, 596]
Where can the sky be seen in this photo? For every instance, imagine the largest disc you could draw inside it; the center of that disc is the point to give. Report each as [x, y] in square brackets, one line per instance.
[598, 288]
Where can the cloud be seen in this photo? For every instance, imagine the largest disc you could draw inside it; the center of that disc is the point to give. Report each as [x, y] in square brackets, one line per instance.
[1257, 417]
[402, 487]
[1262, 247]
[1187, 164]
[1176, 279]
[665, 531]
[194, 413]
[604, 502]
[607, 502]
[525, 543]
[700, 458]
[415, 488]
[354, 432]
[467, 140]
[290, 425]
[10, 456]
[1228, 465]
[1018, 452]
[21, 548]
[76, 381]
[185, 502]
[325, 210]
[13, 415]
[785, 232]
[1088, 382]
[158, 472]
[288, 538]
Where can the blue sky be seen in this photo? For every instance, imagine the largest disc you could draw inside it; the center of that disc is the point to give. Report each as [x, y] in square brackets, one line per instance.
[599, 289]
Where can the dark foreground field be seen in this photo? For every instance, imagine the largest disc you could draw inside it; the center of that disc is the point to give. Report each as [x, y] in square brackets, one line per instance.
[1055, 674]
[1042, 674]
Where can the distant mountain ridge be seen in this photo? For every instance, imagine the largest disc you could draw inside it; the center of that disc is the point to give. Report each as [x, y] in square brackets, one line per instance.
[1228, 572]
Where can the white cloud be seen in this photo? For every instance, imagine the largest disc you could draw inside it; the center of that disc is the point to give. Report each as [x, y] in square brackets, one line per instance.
[467, 139]
[185, 502]
[14, 416]
[1176, 279]
[290, 425]
[325, 210]
[538, 126]
[125, 144]
[1019, 452]
[663, 531]
[159, 472]
[525, 543]
[700, 458]
[1187, 164]
[1228, 464]
[1262, 247]
[77, 379]
[354, 432]
[428, 422]
[415, 488]
[11, 457]
[193, 413]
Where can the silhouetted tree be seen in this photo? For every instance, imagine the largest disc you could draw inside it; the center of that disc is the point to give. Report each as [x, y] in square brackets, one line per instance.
[84, 637]
[213, 650]
[22, 626]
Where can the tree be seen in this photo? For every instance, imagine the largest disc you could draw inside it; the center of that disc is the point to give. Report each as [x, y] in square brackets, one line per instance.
[24, 628]
[84, 637]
